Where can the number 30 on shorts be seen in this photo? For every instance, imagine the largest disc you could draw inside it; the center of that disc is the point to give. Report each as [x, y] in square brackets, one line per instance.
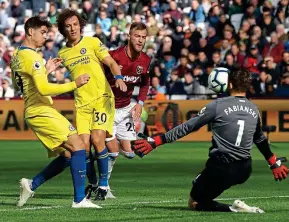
[100, 117]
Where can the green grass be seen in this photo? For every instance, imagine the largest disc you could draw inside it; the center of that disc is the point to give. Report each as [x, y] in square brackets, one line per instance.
[155, 188]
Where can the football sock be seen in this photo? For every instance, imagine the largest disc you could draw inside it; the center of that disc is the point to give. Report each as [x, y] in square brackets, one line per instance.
[111, 161]
[54, 168]
[78, 172]
[102, 164]
[90, 170]
[213, 206]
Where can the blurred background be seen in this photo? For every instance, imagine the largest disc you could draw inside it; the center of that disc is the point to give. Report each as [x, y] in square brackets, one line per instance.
[187, 38]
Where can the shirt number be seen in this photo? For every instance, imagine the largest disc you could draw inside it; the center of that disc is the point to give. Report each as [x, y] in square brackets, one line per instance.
[241, 124]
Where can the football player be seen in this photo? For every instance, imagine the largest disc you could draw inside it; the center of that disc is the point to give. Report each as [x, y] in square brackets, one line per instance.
[94, 103]
[135, 67]
[52, 129]
[236, 125]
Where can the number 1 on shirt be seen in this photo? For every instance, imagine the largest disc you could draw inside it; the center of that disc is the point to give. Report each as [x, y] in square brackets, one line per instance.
[241, 124]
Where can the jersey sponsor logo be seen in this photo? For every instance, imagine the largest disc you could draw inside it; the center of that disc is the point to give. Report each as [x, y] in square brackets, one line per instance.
[37, 65]
[139, 70]
[83, 60]
[202, 111]
[132, 79]
[71, 128]
[82, 51]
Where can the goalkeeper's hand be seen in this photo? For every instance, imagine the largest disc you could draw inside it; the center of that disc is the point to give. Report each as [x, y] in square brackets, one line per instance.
[279, 171]
[143, 146]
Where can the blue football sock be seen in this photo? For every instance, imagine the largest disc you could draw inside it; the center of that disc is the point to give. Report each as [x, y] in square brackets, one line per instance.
[90, 171]
[102, 164]
[78, 172]
[54, 168]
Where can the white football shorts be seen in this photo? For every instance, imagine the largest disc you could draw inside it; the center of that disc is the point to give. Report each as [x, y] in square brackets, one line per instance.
[123, 127]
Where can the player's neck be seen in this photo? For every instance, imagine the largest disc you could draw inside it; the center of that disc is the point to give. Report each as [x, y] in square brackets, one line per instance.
[71, 43]
[131, 53]
[29, 44]
[238, 94]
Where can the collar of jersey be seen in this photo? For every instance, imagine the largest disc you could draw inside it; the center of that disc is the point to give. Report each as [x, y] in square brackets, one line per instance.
[25, 47]
[76, 43]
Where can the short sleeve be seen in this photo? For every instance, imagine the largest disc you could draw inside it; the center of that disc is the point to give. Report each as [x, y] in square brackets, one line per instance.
[100, 50]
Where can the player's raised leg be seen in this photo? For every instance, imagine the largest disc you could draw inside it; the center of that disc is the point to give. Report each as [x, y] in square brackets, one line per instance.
[54, 168]
[59, 137]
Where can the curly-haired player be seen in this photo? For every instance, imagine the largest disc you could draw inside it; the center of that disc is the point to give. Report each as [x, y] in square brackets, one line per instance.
[94, 103]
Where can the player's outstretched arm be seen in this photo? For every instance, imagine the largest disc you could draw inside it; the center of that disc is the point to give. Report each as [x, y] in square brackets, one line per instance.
[49, 89]
[115, 70]
[279, 171]
[146, 145]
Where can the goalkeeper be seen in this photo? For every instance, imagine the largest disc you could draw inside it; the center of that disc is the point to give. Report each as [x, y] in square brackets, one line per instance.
[236, 126]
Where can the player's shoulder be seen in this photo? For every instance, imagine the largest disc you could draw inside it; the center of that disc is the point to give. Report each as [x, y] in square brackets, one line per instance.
[27, 56]
[144, 56]
[223, 99]
[62, 50]
[236, 99]
[120, 51]
[220, 101]
[27, 53]
[253, 104]
[90, 39]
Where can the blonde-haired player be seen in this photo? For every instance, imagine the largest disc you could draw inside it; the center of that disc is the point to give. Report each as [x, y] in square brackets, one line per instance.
[94, 102]
[53, 130]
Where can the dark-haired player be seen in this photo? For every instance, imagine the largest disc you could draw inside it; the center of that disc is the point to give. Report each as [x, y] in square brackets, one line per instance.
[236, 126]
[95, 102]
[134, 65]
[53, 130]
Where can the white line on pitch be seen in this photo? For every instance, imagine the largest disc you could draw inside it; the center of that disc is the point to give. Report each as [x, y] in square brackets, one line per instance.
[141, 202]
[30, 208]
[246, 198]
[178, 201]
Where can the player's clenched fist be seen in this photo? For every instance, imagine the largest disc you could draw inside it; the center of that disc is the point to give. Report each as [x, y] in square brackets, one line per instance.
[279, 171]
[82, 80]
[119, 83]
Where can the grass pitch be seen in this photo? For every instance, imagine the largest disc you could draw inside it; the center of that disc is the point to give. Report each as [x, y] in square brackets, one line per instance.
[155, 188]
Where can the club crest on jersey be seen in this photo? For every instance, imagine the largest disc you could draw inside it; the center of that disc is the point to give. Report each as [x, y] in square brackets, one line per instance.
[71, 128]
[82, 51]
[139, 70]
[37, 65]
